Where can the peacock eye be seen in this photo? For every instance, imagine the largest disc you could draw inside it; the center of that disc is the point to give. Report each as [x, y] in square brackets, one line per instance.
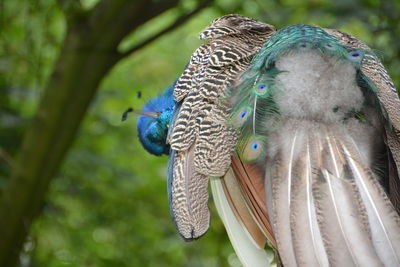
[254, 146]
[240, 117]
[253, 149]
[354, 54]
[243, 114]
[261, 87]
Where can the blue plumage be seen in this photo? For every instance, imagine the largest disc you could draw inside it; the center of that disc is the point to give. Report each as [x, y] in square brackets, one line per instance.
[154, 121]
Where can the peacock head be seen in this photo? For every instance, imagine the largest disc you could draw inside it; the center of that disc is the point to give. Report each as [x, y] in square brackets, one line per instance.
[154, 121]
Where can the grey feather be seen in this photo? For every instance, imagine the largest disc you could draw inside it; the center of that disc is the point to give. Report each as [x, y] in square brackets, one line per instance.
[341, 213]
[384, 220]
[278, 192]
[303, 221]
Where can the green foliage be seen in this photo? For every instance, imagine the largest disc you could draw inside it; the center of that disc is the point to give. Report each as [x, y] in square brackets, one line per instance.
[30, 38]
[108, 205]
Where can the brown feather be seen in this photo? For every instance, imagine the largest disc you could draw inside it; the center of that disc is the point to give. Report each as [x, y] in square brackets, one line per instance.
[279, 209]
[251, 181]
[189, 197]
[240, 208]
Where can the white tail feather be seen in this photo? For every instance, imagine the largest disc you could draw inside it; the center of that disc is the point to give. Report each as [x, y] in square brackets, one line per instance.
[245, 247]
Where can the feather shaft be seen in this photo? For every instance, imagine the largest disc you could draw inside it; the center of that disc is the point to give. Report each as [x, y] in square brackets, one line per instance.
[383, 218]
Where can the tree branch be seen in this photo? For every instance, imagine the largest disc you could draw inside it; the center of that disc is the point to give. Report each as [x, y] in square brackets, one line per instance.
[181, 19]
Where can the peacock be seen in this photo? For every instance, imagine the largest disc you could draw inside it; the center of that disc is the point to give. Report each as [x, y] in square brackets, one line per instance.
[298, 130]
[154, 121]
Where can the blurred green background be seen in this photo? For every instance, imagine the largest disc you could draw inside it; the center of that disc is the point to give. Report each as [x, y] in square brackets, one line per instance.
[107, 205]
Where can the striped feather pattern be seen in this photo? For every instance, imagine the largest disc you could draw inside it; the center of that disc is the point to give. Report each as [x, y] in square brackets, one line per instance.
[201, 140]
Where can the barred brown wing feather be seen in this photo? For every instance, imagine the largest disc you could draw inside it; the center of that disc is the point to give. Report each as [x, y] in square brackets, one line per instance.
[251, 181]
[189, 197]
[192, 73]
[199, 136]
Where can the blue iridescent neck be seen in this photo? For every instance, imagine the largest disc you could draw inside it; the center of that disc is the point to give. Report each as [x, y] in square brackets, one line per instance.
[153, 130]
